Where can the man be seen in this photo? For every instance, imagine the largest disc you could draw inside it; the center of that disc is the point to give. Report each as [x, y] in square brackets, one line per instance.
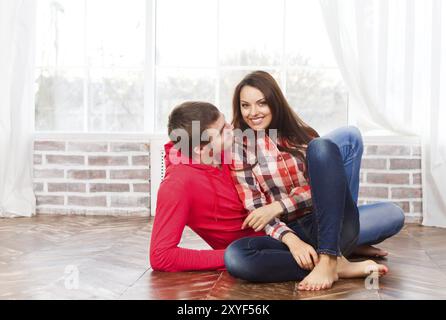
[198, 192]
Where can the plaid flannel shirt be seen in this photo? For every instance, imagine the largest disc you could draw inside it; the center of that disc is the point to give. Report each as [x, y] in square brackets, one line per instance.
[262, 175]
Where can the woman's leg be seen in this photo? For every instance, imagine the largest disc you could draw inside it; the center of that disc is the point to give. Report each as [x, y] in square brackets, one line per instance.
[335, 220]
[377, 221]
[262, 259]
[350, 144]
[335, 224]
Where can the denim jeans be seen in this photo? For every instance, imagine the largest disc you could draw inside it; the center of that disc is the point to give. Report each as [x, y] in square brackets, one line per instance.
[332, 227]
[378, 221]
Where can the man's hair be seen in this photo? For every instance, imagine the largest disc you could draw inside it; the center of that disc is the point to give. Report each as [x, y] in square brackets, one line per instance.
[182, 118]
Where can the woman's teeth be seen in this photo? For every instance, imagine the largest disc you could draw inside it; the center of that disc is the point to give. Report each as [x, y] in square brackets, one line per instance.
[257, 121]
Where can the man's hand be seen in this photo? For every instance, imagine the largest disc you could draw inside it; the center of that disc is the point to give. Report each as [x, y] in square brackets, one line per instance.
[260, 217]
[304, 254]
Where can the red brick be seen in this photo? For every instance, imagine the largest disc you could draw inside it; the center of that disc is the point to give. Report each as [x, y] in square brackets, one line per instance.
[66, 160]
[141, 187]
[140, 160]
[373, 192]
[48, 173]
[140, 174]
[129, 146]
[388, 178]
[129, 201]
[49, 145]
[406, 193]
[417, 207]
[95, 201]
[405, 164]
[66, 187]
[109, 187]
[416, 178]
[55, 200]
[374, 163]
[107, 161]
[405, 205]
[388, 150]
[87, 146]
[86, 174]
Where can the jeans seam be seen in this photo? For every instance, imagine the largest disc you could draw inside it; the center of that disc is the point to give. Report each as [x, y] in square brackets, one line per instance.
[354, 155]
[315, 207]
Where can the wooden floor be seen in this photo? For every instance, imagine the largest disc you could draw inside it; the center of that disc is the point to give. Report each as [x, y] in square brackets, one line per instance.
[41, 256]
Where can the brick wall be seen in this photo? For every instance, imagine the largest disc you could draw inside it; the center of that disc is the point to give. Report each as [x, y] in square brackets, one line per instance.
[97, 178]
[92, 178]
[393, 173]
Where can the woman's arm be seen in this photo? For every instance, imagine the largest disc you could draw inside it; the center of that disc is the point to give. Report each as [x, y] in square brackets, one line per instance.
[298, 198]
[254, 200]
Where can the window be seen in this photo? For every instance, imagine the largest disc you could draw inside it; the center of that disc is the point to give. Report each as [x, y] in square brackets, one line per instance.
[90, 65]
[92, 60]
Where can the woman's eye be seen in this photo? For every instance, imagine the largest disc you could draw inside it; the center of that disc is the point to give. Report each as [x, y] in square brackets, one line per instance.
[244, 106]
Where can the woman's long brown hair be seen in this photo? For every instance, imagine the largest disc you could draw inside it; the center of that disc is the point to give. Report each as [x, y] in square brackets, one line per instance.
[290, 127]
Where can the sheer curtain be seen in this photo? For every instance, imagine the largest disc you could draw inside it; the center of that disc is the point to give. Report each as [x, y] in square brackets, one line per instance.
[17, 25]
[392, 55]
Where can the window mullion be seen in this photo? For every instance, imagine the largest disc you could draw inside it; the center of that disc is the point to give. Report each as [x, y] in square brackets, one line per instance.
[86, 69]
[284, 57]
[218, 70]
[150, 113]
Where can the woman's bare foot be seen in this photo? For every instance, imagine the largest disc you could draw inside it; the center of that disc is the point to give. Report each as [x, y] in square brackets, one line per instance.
[370, 251]
[322, 276]
[347, 269]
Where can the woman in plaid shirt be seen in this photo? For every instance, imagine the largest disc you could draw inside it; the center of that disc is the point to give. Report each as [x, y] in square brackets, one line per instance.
[294, 185]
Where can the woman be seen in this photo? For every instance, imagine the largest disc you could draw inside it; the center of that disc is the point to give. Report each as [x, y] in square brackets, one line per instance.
[297, 177]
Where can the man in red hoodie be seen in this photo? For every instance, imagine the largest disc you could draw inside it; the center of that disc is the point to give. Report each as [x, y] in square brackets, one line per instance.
[198, 192]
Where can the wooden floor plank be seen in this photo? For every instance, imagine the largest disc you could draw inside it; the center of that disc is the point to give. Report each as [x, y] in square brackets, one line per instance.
[110, 255]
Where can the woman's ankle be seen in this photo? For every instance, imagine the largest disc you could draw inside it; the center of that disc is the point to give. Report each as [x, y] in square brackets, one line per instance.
[328, 259]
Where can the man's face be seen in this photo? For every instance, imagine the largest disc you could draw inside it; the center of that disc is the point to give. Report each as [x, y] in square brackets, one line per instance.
[221, 136]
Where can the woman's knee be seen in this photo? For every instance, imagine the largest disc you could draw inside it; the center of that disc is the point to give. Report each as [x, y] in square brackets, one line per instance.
[355, 138]
[237, 260]
[396, 216]
[321, 149]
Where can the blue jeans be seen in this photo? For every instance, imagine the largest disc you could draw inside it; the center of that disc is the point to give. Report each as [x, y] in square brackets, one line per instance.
[378, 221]
[333, 226]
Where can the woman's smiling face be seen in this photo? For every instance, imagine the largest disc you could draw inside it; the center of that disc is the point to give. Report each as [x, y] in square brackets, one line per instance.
[254, 109]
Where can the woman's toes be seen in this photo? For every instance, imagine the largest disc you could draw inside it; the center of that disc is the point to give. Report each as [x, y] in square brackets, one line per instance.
[383, 269]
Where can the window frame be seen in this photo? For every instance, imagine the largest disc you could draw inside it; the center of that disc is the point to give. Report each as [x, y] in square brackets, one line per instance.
[150, 69]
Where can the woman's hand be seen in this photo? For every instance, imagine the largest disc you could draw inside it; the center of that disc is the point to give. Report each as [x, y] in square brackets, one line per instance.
[304, 254]
[260, 217]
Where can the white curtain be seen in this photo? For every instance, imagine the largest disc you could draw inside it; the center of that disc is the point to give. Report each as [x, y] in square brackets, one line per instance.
[392, 55]
[17, 29]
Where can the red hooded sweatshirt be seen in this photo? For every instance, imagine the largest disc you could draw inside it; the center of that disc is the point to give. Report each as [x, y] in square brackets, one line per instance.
[203, 198]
